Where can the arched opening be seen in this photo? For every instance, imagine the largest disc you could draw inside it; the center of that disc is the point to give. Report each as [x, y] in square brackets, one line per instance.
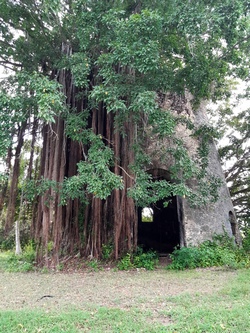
[160, 227]
[232, 220]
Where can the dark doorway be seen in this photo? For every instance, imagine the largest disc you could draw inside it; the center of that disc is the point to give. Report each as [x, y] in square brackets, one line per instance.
[159, 227]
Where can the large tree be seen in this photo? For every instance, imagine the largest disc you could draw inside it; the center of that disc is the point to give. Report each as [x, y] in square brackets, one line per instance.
[90, 77]
[232, 122]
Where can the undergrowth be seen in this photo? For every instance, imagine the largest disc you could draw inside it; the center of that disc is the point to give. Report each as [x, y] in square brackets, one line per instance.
[24, 262]
[221, 251]
[140, 259]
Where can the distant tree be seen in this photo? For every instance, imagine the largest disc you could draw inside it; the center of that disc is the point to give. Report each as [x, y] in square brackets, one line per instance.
[233, 119]
[89, 76]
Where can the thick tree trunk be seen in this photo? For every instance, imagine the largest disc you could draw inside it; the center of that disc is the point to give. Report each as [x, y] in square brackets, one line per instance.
[113, 220]
[125, 213]
[54, 223]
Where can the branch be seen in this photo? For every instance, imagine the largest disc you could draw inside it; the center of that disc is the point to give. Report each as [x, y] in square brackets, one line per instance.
[245, 190]
[241, 164]
[223, 56]
[7, 62]
[125, 172]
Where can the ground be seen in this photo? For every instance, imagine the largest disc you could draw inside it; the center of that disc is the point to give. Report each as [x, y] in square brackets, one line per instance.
[109, 288]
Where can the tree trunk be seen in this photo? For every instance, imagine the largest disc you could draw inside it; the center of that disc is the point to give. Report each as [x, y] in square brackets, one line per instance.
[32, 149]
[3, 193]
[113, 220]
[11, 210]
[17, 234]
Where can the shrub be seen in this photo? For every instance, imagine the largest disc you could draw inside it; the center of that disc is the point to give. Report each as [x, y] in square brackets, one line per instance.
[125, 263]
[29, 253]
[93, 265]
[140, 259]
[246, 241]
[221, 251]
[8, 242]
[147, 260]
[107, 250]
[21, 263]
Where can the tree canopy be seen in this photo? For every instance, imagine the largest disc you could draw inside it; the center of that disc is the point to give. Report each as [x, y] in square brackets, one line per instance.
[232, 121]
[85, 82]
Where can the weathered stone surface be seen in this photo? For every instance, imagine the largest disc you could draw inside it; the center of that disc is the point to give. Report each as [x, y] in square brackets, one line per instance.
[196, 224]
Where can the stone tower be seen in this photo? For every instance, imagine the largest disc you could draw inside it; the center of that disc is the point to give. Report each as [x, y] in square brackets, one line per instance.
[182, 224]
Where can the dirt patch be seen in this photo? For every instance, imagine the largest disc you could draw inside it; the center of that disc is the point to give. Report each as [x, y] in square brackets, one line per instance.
[136, 289]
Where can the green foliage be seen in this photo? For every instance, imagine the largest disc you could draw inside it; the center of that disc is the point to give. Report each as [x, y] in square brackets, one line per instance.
[93, 265]
[125, 263]
[119, 58]
[80, 67]
[140, 259]
[206, 135]
[33, 94]
[147, 219]
[8, 242]
[107, 250]
[246, 241]
[234, 151]
[147, 191]
[23, 96]
[147, 260]
[94, 174]
[183, 167]
[34, 188]
[76, 124]
[220, 252]
[24, 262]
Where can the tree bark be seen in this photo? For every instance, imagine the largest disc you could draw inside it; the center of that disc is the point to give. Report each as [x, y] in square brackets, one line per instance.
[17, 234]
[4, 191]
[11, 210]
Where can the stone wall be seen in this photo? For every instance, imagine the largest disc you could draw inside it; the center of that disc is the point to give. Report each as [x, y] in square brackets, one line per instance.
[202, 223]
[198, 224]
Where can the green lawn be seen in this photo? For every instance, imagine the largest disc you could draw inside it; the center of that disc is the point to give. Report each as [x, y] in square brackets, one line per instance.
[224, 310]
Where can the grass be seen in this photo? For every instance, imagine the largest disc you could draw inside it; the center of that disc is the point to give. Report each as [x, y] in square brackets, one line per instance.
[9, 262]
[227, 311]
[4, 258]
[97, 320]
[224, 310]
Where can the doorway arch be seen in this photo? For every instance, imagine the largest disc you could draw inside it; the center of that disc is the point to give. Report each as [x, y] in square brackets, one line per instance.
[160, 227]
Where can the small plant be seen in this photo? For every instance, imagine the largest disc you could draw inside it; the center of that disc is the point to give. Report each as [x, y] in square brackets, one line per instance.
[18, 264]
[21, 263]
[107, 250]
[147, 260]
[44, 270]
[125, 263]
[93, 265]
[29, 253]
[60, 267]
[140, 259]
[50, 246]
